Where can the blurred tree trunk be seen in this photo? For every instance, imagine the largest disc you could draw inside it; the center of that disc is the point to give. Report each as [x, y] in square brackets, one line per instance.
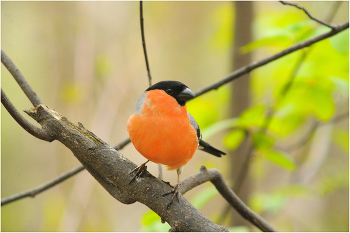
[240, 101]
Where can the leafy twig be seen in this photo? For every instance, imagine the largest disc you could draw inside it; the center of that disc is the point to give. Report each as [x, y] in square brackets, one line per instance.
[246, 69]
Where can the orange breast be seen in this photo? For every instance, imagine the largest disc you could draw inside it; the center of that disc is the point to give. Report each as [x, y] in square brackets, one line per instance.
[162, 132]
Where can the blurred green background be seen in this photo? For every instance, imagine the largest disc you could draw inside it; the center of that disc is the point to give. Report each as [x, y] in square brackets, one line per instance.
[85, 60]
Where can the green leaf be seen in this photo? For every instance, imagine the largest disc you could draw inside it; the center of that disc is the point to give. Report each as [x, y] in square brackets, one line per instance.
[234, 138]
[253, 116]
[286, 119]
[340, 42]
[262, 141]
[203, 110]
[276, 40]
[256, 202]
[275, 200]
[219, 126]
[322, 103]
[260, 202]
[280, 158]
[208, 109]
[149, 217]
[151, 222]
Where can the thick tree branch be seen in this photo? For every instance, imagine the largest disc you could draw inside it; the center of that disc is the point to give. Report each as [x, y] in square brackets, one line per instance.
[246, 69]
[214, 176]
[22, 82]
[308, 13]
[112, 170]
[23, 122]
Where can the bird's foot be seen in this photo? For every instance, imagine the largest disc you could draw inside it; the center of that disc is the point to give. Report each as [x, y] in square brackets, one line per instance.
[139, 171]
[175, 194]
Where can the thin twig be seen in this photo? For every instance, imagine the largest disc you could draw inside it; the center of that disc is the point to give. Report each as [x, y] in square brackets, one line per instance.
[214, 176]
[235, 74]
[22, 121]
[311, 132]
[112, 170]
[266, 123]
[144, 45]
[160, 169]
[243, 172]
[121, 144]
[305, 139]
[22, 82]
[41, 188]
[338, 118]
[246, 69]
[15, 72]
[33, 192]
[308, 13]
[334, 10]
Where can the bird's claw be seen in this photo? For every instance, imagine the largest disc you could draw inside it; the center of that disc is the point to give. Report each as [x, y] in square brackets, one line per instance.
[140, 170]
[176, 194]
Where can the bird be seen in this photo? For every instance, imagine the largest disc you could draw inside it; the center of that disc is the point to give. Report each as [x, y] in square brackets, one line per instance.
[162, 130]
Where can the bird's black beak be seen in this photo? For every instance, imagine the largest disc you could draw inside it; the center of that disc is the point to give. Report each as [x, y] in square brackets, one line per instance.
[185, 95]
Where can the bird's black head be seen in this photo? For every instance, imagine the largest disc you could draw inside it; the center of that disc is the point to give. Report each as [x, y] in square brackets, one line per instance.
[176, 89]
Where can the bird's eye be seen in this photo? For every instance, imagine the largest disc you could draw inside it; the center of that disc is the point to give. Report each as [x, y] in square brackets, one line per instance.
[169, 91]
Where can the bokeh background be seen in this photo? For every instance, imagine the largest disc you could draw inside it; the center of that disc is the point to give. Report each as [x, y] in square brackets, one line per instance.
[85, 60]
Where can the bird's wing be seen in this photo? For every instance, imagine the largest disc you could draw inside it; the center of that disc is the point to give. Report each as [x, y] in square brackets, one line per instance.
[195, 125]
[202, 145]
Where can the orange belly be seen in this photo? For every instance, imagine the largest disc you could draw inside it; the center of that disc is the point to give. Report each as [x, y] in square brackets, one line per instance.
[170, 141]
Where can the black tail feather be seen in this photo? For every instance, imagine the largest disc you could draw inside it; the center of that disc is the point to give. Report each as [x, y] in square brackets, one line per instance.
[204, 146]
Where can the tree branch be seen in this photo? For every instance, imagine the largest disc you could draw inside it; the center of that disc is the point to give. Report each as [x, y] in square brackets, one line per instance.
[22, 82]
[121, 144]
[112, 170]
[246, 69]
[308, 14]
[42, 188]
[55, 181]
[214, 176]
[23, 122]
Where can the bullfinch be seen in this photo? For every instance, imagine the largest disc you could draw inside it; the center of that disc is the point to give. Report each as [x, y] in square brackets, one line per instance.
[163, 131]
